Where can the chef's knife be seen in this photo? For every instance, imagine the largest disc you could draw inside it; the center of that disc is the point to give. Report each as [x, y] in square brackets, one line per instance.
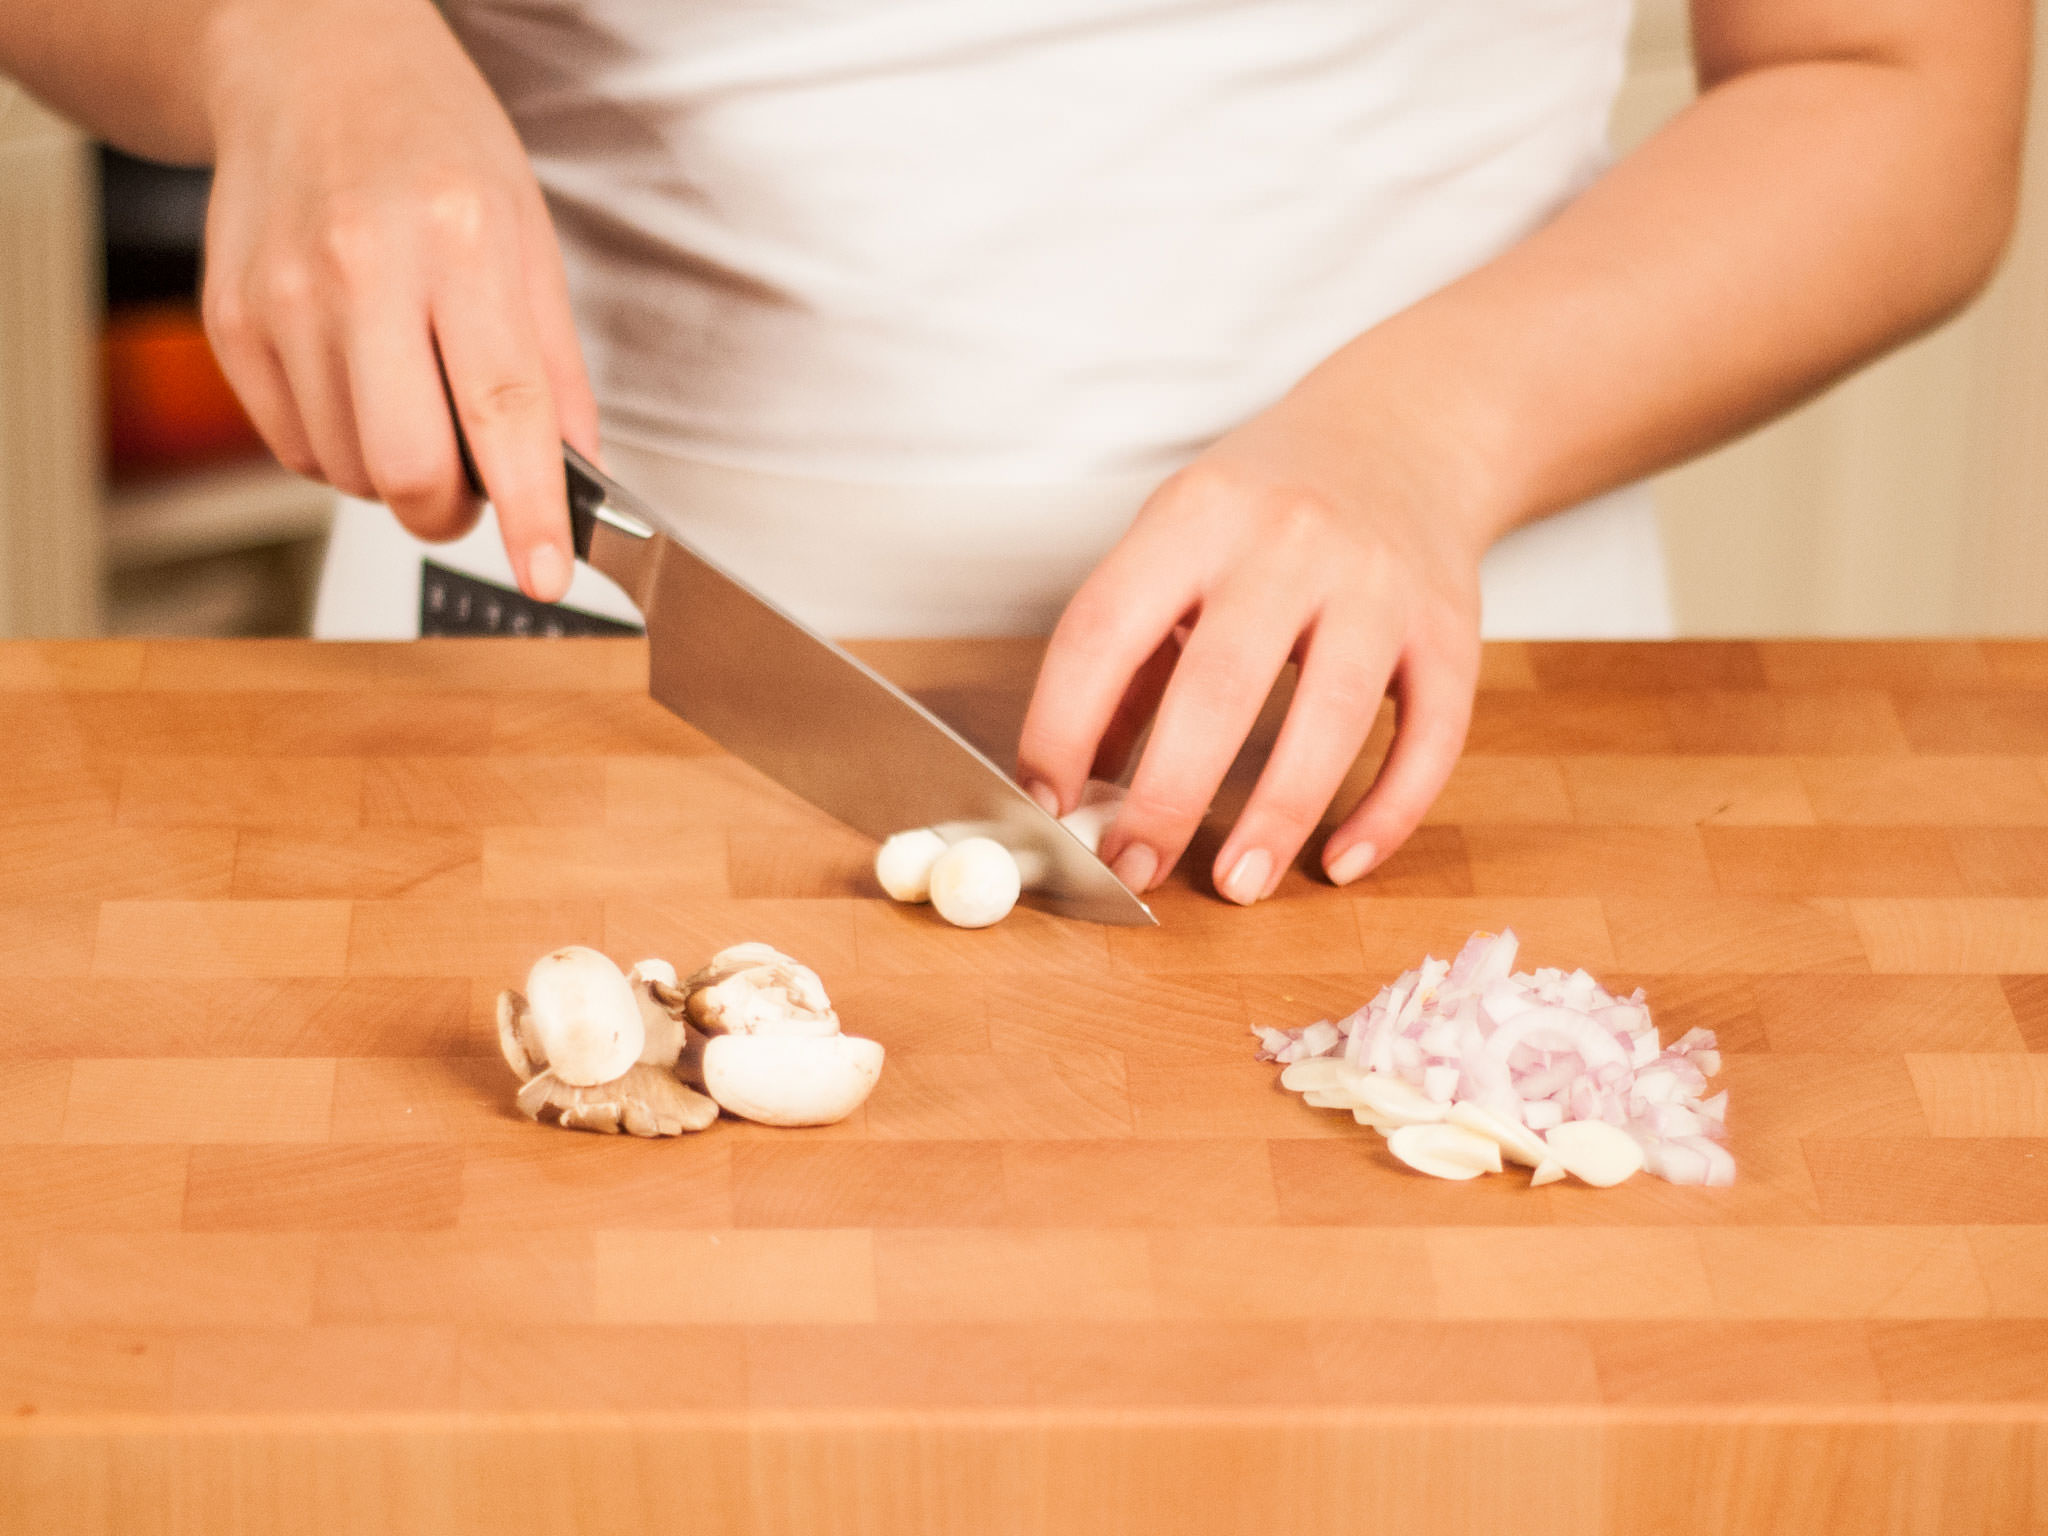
[811, 716]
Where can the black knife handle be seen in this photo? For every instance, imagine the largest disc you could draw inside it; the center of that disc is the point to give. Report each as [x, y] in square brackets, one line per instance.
[586, 494]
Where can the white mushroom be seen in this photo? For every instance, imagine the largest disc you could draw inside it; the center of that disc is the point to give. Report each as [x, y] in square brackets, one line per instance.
[791, 1080]
[1447, 1151]
[582, 1016]
[643, 1101]
[643, 1098]
[975, 883]
[1100, 803]
[755, 989]
[904, 863]
[662, 1019]
[1594, 1151]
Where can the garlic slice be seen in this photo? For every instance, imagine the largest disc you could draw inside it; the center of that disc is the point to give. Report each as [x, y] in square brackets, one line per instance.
[1328, 1098]
[1549, 1171]
[1518, 1142]
[1391, 1099]
[1321, 1072]
[1595, 1152]
[1445, 1151]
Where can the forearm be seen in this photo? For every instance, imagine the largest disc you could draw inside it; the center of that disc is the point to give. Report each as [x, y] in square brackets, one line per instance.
[1796, 220]
[150, 75]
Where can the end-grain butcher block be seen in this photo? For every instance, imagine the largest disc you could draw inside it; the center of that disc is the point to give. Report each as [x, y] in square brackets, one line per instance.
[280, 1253]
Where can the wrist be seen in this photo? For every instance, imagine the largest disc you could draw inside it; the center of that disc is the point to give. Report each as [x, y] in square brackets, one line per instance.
[1415, 414]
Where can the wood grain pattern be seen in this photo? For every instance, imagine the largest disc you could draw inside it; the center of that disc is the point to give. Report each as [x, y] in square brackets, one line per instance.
[277, 1242]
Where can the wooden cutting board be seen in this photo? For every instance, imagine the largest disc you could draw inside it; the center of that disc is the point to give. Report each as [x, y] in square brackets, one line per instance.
[278, 1254]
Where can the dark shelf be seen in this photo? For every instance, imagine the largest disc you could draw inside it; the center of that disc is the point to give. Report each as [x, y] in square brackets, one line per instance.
[154, 219]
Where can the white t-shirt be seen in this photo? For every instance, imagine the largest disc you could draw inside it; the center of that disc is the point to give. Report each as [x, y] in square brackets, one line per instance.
[946, 285]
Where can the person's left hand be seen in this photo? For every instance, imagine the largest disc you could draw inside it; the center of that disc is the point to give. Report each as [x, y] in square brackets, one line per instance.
[1346, 540]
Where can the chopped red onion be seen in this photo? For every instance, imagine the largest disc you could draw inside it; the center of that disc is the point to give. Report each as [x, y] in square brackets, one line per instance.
[1538, 1050]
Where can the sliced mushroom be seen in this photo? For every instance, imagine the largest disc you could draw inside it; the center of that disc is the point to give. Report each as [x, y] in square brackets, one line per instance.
[643, 1101]
[754, 989]
[516, 1040]
[791, 1079]
[663, 1014]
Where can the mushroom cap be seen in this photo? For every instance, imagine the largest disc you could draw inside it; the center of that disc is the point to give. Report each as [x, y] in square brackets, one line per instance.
[975, 883]
[1100, 802]
[791, 1079]
[584, 1015]
[903, 864]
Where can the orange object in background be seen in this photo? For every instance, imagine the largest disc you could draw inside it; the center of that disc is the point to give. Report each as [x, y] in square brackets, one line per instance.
[167, 404]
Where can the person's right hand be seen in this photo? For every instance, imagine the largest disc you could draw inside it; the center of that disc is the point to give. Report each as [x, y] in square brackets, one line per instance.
[372, 208]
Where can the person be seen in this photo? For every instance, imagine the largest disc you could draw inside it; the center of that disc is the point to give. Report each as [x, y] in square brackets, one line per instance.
[1231, 331]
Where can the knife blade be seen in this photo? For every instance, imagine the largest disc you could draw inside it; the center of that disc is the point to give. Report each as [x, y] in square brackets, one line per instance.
[813, 717]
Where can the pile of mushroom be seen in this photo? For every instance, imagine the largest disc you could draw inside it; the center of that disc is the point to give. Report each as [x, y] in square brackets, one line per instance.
[973, 881]
[1462, 1063]
[596, 1049]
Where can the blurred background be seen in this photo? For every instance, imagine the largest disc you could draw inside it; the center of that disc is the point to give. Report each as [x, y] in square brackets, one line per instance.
[136, 500]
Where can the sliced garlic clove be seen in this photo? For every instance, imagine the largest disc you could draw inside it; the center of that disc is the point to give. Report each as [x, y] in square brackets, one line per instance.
[1518, 1142]
[903, 864]
[1314, 1072]
[1549, 1171]
[1328, 1098]
[1373, 1122]
[1391, 1099]
[975, 883]
[791, 1079]
[584, 1016]
[1595, 1152]
[1445, 1151]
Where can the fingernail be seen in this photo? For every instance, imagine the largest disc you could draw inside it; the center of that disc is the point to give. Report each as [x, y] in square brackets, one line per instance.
[1048, 802]
[1351, 863]
[1246, 882]
[1136, 866]
[547, 573]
